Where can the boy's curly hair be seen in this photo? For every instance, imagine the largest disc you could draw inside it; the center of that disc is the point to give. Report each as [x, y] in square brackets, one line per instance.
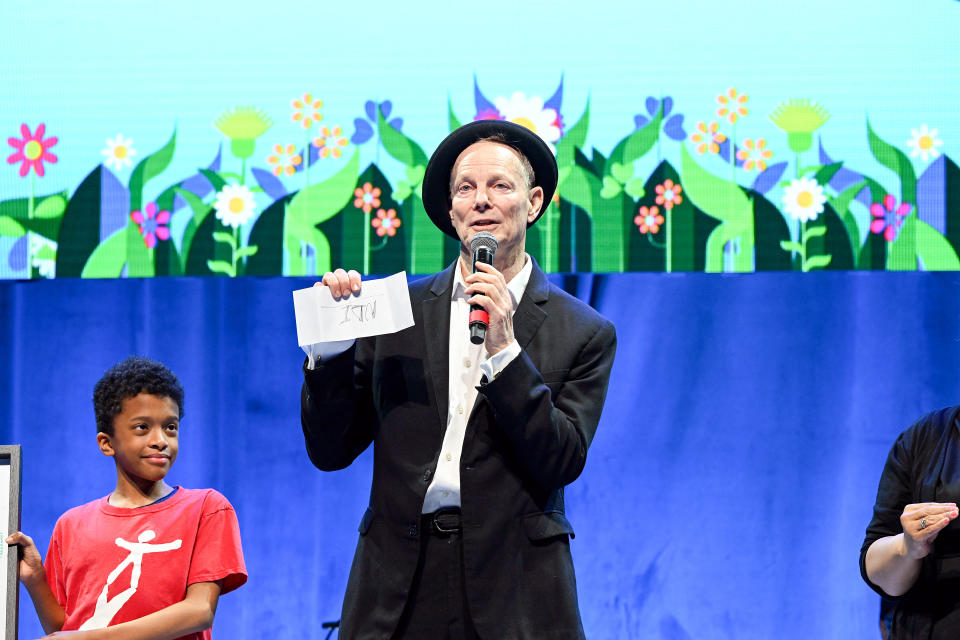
[127, 379]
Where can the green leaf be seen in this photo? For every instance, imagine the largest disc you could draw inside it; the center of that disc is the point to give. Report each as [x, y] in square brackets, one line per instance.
[46, 253]
[579, 188]
[225, 237]
[789, 245]
[574, 138]
[718, 198]
[403, 191]
[638, 143]
[216, 180]
[10, 228]
[902, 252]
[635, 188]
[220, 266]
[319, 202]
[243, 252]
[825, 174]
[814, 232]
[108, 258]
[817, 262]
[399, 145]
[611, 188]
[200, 211]
[149, 168]
[140, 263]
[415, 174]
[621, 172]
[50, 207]
[897, 161]
[452, 120]
[934, 250]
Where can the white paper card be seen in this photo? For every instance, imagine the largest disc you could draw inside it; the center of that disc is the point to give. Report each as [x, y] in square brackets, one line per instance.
[382, 306]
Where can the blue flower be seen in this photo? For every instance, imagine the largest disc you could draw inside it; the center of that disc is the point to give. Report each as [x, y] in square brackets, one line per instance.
[364, 128]
[673, 124]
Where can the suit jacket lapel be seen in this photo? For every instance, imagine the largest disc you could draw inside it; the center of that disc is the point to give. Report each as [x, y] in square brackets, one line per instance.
[530, 313]
[436, 328]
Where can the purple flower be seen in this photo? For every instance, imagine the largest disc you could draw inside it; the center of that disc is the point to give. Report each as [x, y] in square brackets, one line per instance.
[364, 128]
[673, 124]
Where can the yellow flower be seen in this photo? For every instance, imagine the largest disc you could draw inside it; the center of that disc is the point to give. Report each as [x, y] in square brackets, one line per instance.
[329, 142]
[799, 118]
[286, 159]
[306, 110]
[707, 137]
[731, 105]
[243, 125]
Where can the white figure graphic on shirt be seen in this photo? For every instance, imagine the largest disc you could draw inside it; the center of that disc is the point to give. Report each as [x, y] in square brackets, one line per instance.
[106, 609]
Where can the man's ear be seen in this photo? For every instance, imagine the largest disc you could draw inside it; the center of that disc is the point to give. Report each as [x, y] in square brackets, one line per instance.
[105, 442]
[536, 203]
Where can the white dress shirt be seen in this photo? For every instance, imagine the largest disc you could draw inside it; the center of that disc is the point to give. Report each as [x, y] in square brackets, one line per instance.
[468, 364]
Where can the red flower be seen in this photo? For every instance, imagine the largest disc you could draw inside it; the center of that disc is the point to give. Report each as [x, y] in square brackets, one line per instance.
[668, 194]
[151, 224]
[367, 197]
[32, 150]
[386, 222]
[649, 220]
[886, 219]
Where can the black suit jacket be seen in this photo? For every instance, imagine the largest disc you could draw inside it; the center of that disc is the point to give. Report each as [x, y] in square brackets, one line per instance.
[526, 439]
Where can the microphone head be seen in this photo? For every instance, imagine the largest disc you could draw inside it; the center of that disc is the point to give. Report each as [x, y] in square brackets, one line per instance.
[483, 239]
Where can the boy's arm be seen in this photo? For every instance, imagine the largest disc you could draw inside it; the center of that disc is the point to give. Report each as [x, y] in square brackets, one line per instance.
[192, 614]
[34, 578]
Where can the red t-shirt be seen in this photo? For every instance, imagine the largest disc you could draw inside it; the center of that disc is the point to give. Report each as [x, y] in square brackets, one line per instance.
[108, 565]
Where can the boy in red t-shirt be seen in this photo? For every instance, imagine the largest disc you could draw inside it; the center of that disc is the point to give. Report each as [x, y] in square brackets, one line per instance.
[149, 560]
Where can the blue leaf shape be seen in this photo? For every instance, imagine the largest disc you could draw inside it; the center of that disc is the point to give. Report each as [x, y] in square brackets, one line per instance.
[198, 183]
[674, 127]
[480, 100]
[556, 98]
[651, 104]
[396, 123]
[667, 106]
[17, 258]
[371, 108]
[114, 204]
[844, 177]
[363, 131]
[640, 120]
[270, 184]
[768, 179]
[385, 108]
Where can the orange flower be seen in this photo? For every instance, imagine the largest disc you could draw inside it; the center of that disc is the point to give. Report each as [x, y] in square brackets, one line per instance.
[707, 137]
[386, 222]
[731, 105]
[306, 110]
[668, 194]
[649, 219]
[286, 159]
[762, 154]
[329, 142]
[367, 198]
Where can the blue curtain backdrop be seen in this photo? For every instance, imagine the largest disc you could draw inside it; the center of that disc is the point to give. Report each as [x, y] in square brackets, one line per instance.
[725, 494]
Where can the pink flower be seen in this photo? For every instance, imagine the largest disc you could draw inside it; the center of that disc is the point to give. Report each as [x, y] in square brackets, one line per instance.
[151, 224]
[386, 222]
[649, 219]
[367, 197]
[886, 219]
[31, 150]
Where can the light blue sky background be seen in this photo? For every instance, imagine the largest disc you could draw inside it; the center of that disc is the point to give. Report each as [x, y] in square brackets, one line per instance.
[94, 69]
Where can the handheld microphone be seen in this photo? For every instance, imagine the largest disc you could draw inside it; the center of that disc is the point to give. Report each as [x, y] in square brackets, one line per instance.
[483, 245]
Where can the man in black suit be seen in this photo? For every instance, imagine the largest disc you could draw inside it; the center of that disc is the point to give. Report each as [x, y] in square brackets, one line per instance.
[465, 535]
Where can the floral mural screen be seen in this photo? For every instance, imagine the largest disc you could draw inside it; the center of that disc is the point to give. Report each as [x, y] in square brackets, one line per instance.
[198, 140]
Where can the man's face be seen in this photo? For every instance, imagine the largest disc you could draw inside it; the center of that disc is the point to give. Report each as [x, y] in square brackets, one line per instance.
[489, 193]
[144, 441]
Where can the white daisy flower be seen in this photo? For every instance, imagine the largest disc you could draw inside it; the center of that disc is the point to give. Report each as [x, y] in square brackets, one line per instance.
[234, 205]
[530, 113]
[119, 152]
[924, 143]
[804, 199]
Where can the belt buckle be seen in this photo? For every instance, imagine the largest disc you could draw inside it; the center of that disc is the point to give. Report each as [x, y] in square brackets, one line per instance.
[440, 528]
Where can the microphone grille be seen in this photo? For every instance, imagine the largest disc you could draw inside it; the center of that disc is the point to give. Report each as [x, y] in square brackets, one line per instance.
[483, 239]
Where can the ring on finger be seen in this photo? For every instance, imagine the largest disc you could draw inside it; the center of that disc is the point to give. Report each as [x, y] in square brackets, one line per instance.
[923, 523]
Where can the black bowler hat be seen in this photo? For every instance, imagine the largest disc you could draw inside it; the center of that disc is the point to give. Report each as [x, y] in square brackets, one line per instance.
[436, 179]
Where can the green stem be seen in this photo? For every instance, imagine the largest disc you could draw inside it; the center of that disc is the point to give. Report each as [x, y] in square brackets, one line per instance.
[365, 221]
[30, 208]
[652, 241]
[381, 245]
[669, 215]
[233, 248]
[243, 171]
[803, 246]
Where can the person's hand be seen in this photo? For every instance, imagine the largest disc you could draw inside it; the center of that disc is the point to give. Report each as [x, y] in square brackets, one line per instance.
[488, 289]
[31, 565]
[73, 635]
[342, 283]
[922, 523]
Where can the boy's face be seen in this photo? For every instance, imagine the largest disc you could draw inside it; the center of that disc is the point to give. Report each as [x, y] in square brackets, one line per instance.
[144, 441]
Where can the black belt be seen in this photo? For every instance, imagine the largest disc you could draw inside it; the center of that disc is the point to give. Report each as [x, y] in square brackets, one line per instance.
[442, 522]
